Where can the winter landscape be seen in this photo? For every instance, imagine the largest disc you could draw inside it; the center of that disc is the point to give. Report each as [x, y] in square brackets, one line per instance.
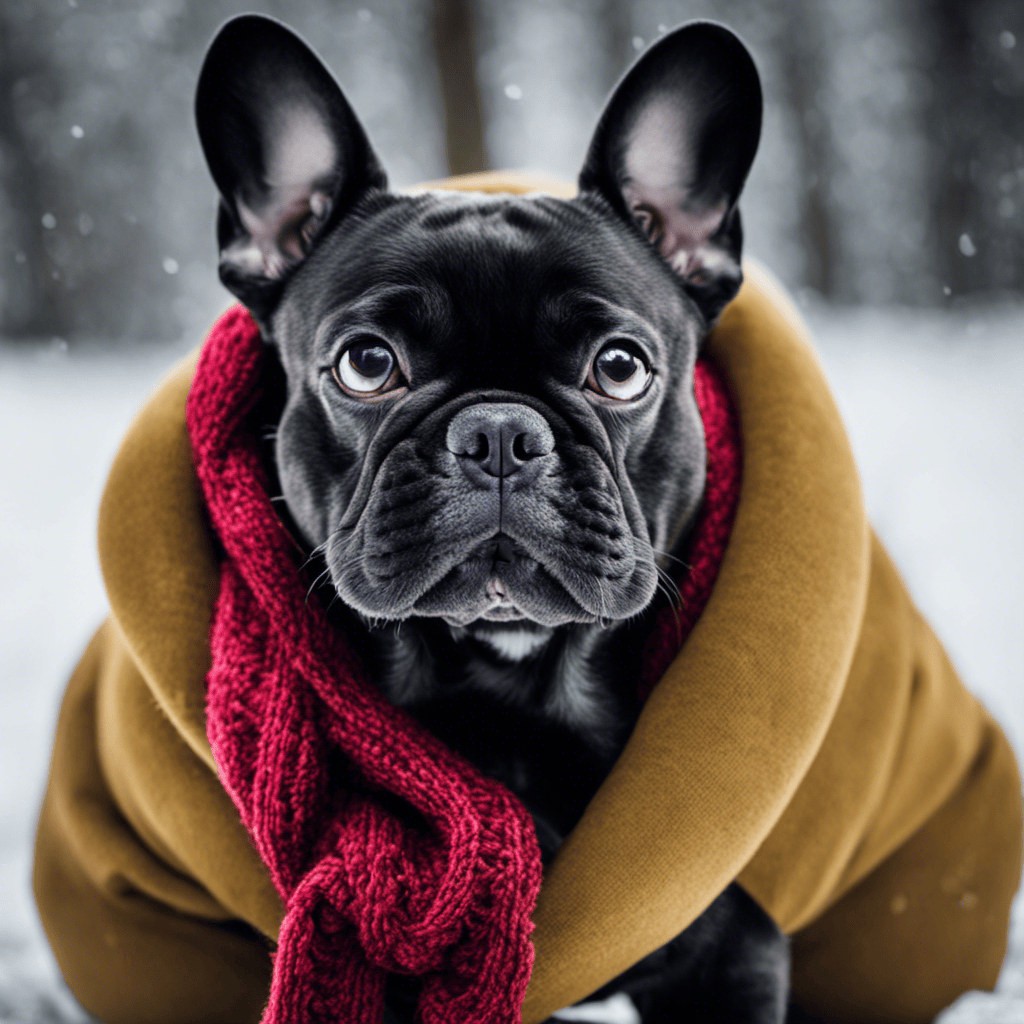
[887, 195]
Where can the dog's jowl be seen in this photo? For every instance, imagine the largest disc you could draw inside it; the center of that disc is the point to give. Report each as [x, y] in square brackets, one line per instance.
[484, 424]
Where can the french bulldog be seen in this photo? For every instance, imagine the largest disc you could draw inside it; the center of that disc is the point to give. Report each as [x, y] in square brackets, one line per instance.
[481, 416]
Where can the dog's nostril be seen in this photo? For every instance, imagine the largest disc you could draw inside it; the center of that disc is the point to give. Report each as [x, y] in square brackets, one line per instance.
[481, 448]
[519, 448]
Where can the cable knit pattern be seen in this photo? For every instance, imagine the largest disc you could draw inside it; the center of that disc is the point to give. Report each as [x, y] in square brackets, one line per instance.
[439, 883]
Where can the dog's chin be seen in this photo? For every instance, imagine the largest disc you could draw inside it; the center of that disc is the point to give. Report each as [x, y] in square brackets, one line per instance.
[505, 592]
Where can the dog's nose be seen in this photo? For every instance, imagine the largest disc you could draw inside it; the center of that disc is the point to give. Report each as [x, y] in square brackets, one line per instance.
[498, 438]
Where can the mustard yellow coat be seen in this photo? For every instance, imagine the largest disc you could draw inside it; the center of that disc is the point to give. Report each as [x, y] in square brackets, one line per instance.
[811, 739]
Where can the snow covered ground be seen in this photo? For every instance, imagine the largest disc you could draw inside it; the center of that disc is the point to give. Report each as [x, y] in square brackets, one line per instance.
[935, 407]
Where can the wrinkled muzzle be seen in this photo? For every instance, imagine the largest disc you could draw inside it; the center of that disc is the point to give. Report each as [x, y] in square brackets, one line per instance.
[493, 510]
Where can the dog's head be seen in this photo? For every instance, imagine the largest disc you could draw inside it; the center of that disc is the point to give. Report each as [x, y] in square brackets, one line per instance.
[489, 410]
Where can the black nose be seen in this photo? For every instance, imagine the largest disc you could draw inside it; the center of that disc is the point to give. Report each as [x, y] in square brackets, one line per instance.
[498, 438]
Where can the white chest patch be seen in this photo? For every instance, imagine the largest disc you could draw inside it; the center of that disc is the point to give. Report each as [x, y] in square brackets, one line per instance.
[515, 644]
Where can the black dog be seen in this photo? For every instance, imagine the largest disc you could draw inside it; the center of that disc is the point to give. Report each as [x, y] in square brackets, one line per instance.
[484, 420]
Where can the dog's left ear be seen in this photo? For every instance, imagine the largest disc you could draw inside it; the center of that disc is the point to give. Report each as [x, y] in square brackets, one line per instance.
[672, 150]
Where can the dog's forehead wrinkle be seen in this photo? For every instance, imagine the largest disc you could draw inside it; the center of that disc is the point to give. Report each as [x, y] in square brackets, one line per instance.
[482, 268]
[593, 315]
[411, 308]
[457, 225]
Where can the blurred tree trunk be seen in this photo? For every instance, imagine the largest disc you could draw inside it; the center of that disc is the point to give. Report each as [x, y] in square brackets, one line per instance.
[975, 127]
[802, 52]
[455, 46]
[32, 305]
[952, 199]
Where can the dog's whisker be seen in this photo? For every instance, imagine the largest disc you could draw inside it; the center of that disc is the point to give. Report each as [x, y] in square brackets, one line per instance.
[669, 597]
[315, 582]
[671, 558]
[671, 589]
[318, 550]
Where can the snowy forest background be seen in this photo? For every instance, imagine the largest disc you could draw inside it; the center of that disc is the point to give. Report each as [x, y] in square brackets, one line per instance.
[888, 194]
[891, 168]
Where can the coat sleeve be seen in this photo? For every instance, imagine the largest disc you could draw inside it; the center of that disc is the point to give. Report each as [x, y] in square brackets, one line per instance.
[138, 940]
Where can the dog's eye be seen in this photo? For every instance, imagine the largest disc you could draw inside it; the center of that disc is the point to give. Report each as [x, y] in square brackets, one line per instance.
[619, 373]
[366, 367]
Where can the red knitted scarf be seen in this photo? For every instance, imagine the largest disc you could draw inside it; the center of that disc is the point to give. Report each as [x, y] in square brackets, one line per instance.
[313, 755]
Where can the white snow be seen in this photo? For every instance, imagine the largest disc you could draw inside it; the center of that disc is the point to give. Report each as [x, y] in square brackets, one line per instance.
[934, 406]
[61, 417]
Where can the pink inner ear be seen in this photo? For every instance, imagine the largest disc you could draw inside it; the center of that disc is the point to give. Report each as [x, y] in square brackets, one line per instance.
[681, 235]
[281, 230]
[659, 188]
[281, 225]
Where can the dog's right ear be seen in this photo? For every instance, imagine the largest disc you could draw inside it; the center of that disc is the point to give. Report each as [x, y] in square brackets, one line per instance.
[285, 150]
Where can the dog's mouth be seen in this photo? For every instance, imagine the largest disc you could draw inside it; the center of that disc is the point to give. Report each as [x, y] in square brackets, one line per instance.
[550, 562]
[499, 582]
[503, 608]
[505, 554]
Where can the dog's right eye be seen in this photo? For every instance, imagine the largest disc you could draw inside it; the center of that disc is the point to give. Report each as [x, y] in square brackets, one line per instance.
[366, 367]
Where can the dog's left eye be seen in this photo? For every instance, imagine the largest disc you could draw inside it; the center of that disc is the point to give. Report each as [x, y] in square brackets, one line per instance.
[619, 373]
[366, 366]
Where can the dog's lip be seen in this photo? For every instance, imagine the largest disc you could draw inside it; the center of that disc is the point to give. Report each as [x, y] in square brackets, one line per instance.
[503, 613]
[492, 594]
[503, 608]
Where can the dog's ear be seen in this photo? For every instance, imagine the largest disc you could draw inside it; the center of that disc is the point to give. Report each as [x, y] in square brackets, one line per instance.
[672, 149]
[284, 148]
